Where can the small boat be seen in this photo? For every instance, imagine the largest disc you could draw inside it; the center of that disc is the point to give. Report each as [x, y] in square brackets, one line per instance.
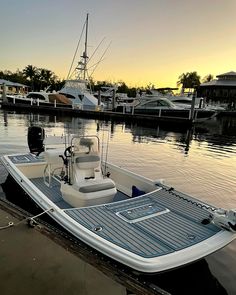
[143, 224]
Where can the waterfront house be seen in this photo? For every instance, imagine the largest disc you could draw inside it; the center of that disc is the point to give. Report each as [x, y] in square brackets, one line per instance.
[13, 88]
[222, 89]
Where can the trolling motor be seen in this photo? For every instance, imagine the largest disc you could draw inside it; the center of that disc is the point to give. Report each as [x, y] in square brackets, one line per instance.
[223, 218]
[36, 136]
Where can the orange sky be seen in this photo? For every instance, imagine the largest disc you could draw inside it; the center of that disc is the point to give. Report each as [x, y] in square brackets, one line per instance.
[152, 41]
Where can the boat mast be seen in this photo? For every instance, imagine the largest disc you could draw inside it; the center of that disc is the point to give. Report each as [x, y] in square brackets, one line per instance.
[83, 63]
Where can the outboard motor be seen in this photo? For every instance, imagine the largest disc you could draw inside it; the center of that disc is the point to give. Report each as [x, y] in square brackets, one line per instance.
[36, 137]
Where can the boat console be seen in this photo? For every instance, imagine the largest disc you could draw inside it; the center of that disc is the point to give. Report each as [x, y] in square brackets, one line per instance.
[86, 185]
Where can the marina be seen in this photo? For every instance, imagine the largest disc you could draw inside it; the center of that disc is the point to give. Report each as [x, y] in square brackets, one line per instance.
[185, 119]
[119, 180]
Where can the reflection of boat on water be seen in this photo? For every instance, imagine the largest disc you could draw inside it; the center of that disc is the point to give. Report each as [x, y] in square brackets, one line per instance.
[139, 222]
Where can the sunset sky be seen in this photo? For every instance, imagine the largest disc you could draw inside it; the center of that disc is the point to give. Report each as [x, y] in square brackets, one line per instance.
[151, 41]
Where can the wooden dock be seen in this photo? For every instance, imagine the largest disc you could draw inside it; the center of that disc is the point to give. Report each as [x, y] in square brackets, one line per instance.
[148, 120]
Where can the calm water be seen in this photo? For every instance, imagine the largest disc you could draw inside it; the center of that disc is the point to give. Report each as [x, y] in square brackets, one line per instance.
[200, 162]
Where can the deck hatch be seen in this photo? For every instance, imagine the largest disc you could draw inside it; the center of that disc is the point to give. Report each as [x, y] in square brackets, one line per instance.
[22, 159]
[140, 213]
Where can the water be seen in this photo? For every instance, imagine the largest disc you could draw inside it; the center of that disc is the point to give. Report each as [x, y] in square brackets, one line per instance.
[200, 162]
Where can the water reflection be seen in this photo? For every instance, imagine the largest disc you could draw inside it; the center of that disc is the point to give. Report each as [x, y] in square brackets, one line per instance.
[219, 133]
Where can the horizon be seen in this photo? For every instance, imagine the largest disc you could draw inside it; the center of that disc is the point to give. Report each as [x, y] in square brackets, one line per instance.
[145, 44]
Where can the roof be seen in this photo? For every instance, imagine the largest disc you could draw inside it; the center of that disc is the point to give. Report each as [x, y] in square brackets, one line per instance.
[226, 79]
[232, 73]
[220, 83]
[9, 83]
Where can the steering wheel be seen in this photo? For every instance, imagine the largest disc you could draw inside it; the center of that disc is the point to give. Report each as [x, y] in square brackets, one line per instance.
[68, 151]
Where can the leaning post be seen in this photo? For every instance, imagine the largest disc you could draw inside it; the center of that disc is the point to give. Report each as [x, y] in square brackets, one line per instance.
[4, 93]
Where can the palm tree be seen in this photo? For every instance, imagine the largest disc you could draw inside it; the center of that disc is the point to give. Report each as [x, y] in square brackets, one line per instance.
[183, 80]
[208, 78]
[46, 76]
[30, 72]
[189, 80]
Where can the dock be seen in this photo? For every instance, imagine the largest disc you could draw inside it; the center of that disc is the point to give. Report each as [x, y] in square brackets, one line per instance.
[68, 110]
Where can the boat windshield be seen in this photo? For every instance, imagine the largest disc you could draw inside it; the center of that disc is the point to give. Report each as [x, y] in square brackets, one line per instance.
[159, 103]
[86, 144]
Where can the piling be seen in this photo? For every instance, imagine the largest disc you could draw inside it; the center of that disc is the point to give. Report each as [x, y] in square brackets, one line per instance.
[99, 97]
[4, 93]
[113, 99]
[191, 113]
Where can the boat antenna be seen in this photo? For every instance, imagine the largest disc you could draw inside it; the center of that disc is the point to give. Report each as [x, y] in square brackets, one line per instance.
[77, 47]
[102, 151]
[108, 137]
[85, 55]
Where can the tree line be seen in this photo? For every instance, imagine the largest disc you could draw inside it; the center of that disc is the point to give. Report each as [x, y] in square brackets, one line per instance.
[35, 78]
[40, 79]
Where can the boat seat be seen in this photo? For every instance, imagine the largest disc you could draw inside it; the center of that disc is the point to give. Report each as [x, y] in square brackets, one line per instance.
[96, 187]
[53, 162]
[87, 161]
[89, 192]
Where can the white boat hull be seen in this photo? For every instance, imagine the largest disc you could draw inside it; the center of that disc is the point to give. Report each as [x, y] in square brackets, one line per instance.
[144, 233]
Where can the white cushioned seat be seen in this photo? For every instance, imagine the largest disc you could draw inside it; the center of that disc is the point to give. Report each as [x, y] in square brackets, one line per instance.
[88, 161]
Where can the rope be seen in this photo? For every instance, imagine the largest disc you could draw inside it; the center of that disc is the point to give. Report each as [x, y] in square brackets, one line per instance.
[10, 224]
[171, 191]
[31, 220]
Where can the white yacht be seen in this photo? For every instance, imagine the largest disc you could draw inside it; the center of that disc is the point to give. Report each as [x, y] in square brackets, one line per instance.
[78, 90]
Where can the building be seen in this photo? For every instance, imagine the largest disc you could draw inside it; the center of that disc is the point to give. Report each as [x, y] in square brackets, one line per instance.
[13, 88]
[222, 89]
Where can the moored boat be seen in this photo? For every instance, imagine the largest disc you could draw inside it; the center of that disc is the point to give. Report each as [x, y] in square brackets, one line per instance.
[163, 107]
[141, 223]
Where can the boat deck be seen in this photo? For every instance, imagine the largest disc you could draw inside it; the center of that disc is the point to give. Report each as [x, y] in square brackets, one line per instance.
[155, 224]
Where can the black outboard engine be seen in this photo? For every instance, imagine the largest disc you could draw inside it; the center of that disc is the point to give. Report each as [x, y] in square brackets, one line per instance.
[36, 137]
